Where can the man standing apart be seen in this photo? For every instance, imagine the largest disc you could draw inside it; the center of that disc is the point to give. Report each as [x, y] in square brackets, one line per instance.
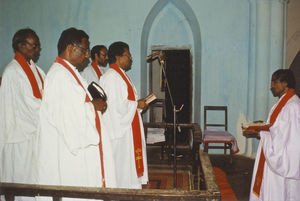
[20, 100]
[71, 148]
[95, 70]
[276, 174]
[123, 117]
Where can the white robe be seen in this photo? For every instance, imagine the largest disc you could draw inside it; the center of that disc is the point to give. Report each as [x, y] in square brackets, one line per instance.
[281, 178]
[118, 117]
[19, 111]
[90, 75]
[68, 152]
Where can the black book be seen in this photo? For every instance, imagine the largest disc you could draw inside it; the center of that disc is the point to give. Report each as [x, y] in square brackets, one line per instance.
[96, 91]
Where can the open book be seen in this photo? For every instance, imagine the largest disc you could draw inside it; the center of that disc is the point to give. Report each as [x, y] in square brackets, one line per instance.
[151, 97]
[155, 135]
[255, 127]
[253, 124]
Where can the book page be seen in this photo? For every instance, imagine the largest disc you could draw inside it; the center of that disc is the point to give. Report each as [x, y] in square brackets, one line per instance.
[151, 97]
[155, 135]
[248, 124]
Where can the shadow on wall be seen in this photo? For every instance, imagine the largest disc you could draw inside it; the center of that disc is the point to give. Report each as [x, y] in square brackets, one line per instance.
[295, 67]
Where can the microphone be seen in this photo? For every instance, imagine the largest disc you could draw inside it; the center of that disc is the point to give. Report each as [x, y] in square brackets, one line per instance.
[154, 55]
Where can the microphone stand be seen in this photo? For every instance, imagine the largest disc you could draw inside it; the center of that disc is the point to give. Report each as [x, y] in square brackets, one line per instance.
[162, 63]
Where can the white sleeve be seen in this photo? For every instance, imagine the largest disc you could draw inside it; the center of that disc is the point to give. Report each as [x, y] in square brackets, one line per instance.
[281, 145]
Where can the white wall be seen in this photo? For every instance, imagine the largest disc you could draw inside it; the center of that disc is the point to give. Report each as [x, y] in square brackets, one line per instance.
[222, 35]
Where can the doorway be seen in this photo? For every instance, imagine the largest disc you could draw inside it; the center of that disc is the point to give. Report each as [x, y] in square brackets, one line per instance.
[179, 75]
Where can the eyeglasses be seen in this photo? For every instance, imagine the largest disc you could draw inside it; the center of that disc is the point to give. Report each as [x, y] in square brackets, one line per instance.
[104, 55]
[87, 50]
[127, 55]
[33, 45]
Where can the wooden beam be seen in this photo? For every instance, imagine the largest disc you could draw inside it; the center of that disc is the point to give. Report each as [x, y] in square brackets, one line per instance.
[11, 190]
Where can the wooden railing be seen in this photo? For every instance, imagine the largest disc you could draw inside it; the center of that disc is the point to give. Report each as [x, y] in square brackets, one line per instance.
[211, 192]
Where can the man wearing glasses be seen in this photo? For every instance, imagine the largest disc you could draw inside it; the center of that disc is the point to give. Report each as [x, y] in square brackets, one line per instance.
[72, 149]
[20, 100]
[95, 70]
[124, 120]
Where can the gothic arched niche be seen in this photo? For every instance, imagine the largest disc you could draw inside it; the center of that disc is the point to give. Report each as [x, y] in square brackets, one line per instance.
[173, 23]
[170, 28]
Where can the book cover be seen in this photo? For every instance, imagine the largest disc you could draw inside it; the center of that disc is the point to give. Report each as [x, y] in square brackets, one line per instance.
[96, 91]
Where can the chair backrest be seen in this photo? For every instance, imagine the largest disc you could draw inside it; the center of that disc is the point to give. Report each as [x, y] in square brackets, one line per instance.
[158, 111]
[215, 108]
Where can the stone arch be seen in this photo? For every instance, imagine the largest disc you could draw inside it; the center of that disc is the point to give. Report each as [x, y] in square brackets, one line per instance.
[189, 14]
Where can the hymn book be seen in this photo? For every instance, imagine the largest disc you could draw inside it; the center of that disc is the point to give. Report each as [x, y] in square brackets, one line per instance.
[96, 91]
[254, 127]
[254, 124]
[151, 97]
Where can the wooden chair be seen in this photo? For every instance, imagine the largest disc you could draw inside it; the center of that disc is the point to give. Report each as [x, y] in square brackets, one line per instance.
[160, 107]
[217, 135]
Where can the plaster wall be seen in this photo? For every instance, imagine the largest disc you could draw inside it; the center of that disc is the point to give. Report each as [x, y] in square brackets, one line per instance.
[221, 34]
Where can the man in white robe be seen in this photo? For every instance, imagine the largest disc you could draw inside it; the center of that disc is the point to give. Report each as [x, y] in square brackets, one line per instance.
[20, 99]
[276, 174]
[96, 69]
[72, 149]
[123, 110]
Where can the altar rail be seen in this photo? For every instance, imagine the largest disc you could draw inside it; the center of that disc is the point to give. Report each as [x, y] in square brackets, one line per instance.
[210, 193]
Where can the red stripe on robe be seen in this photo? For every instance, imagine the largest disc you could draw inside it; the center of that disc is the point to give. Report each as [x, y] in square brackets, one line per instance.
[261, 164]
[97, 119]
[135, 125]
[96, 69]
[33, 82]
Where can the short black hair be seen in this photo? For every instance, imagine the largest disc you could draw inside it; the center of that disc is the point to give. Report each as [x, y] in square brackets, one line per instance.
[285, 75]
[116, 49]
[96, 50]
[70, 36]
[20, 37]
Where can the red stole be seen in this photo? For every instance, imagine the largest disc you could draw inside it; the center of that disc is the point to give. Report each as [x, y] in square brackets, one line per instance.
[96, 69]
[97, 119]
[26, 68]
[262, 159]
[135, 125]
